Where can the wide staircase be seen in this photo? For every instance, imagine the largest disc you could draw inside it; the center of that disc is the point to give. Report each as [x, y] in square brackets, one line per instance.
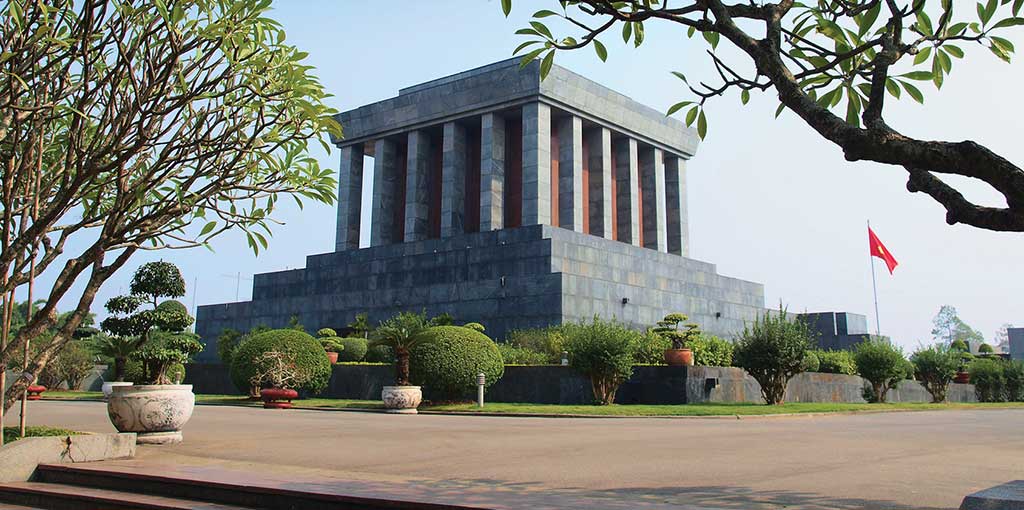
[93, 486]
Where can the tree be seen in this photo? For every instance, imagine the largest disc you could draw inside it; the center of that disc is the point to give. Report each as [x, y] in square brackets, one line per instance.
[401, 333]
[604, 352]
[668, 328]
[142, 126]
[833, 64]
[948, 328]
[361, 325]
[882, 364]
[935, 367]
[772, 350]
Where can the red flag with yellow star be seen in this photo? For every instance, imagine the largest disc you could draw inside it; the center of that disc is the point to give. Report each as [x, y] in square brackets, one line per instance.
[878, 250]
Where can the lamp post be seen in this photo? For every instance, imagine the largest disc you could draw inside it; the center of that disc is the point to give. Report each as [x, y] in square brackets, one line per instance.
[481, 379]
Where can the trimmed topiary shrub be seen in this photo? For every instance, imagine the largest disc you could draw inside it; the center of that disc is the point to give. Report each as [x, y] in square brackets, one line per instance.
[379, 354]
[985, 349]
[302, 349]
[604, 352]
[512, 355]
[988, 379]
[354, 349]
[711, 351]
[772, 351]
[882, 364]
[475, 326]
[836, 362]
[447, 360]
[935, 367]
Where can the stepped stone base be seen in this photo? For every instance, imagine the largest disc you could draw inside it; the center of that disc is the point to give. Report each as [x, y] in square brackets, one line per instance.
[506, 279]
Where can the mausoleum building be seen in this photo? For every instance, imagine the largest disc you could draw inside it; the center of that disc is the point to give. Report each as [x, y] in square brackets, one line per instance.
[508, 200]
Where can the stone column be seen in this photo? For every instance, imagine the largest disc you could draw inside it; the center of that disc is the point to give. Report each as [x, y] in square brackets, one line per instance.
[385, 192]
[675, 205]
[417, 187]
[652, 185]
[628, 188]
[492, 172]
[453, 180]
[600, 164]
[536, 164]
[570, 173]
[350, 198]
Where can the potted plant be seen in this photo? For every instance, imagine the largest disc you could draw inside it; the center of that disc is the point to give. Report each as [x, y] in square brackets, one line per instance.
[401, 333]
[279, 371]
[156, 409]
[331, 343]
[961, 348]
[669, 328]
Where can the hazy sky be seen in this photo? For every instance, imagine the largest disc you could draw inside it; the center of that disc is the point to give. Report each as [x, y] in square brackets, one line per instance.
[769, 200]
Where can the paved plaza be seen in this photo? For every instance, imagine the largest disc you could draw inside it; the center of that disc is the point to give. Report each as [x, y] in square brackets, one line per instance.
[883, 460]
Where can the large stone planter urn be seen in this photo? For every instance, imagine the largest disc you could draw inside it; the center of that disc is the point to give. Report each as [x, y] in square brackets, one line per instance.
[401, 399]
[108, 388]
[154, 412]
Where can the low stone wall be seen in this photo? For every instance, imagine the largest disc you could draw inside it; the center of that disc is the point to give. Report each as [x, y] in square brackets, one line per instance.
[563, 385]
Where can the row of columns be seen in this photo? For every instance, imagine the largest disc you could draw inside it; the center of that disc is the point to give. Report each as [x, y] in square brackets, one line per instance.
[635, 193]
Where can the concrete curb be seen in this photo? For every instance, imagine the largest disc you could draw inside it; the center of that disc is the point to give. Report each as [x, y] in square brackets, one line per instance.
[18, 460]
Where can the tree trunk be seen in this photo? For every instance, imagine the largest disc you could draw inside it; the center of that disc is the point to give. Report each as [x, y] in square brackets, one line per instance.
[401, 366]
[119, 367]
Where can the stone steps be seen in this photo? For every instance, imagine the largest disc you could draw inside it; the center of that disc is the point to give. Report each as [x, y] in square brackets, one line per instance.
[58, 496]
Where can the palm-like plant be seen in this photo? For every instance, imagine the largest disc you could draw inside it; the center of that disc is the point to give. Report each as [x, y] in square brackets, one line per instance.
[116, 348]
[401, 333]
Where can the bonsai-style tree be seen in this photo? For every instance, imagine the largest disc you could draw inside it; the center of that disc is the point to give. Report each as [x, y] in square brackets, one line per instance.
[882, 364]
[772, 350]
[935, 367]
[143, 126]
[835, 64]
[668, 328]
[361, 325]
[329, 340]
[401, 333]
[140, 314]
[276, 369]
[985, 349]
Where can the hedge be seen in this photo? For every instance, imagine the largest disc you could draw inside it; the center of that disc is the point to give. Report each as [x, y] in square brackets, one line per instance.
[355, 349]
[450, 357]
[305, 350]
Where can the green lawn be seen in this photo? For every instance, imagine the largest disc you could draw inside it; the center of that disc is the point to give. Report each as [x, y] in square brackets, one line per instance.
[587, 410]
[11, 433]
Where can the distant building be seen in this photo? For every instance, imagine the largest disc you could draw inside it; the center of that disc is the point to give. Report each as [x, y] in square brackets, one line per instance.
[1016, 337]
[838, 330]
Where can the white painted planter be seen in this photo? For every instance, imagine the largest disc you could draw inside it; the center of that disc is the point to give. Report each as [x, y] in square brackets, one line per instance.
[401, 399]
[155, 412]
[108, 388]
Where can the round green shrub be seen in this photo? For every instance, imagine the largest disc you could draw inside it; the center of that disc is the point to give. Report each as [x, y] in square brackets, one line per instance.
[354, 349]
[711, 351]
[988, 379]
[883, 365]
[172, 305]
[836, 362]
[985, 349]
[448, 359]
[935, 367]
[959, 345]
[379, 354]
[603, 351]
[305, 351]
[326, 333]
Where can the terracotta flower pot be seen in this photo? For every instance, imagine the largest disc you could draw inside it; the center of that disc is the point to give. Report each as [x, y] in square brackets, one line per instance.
[401, 399]
[155, 412]
[34, 391]
[278, 398]
[679, 357]
[333, 356]
[962, 378]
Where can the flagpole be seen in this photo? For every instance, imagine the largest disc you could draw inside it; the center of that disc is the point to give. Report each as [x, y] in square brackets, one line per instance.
[874, 286]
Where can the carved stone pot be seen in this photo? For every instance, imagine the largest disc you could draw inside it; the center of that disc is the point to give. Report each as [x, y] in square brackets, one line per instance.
[401, 399]
[154, 412]
[108, 388]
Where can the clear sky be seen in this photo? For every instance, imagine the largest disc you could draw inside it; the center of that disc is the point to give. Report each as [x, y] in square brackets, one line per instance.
[769, 200]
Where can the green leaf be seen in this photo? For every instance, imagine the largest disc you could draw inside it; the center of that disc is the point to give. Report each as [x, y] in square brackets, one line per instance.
[745, 96]
[913, 91]
[529, 57]
[692, 115]
[545, 65]
[544, 13]
[1009, 22]
[937, 74]
[627, 32]
[953, 50]
[638, 34]
[778, 111]
[602, 52]
[866, 21]
[922, 55]
[957, 28]
[680, 76]
[712, 38]
[523, 46]
[208, 228]
[1016, 6]
[1003, 44]
[944, 61]
[693, 30]
[853, 109]
[999, 52]
[924, 23]
[892, 87]
[506, 7]
[527, 31]
[678, 106]
[542, 29]
[702, 125]
[918, 75]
